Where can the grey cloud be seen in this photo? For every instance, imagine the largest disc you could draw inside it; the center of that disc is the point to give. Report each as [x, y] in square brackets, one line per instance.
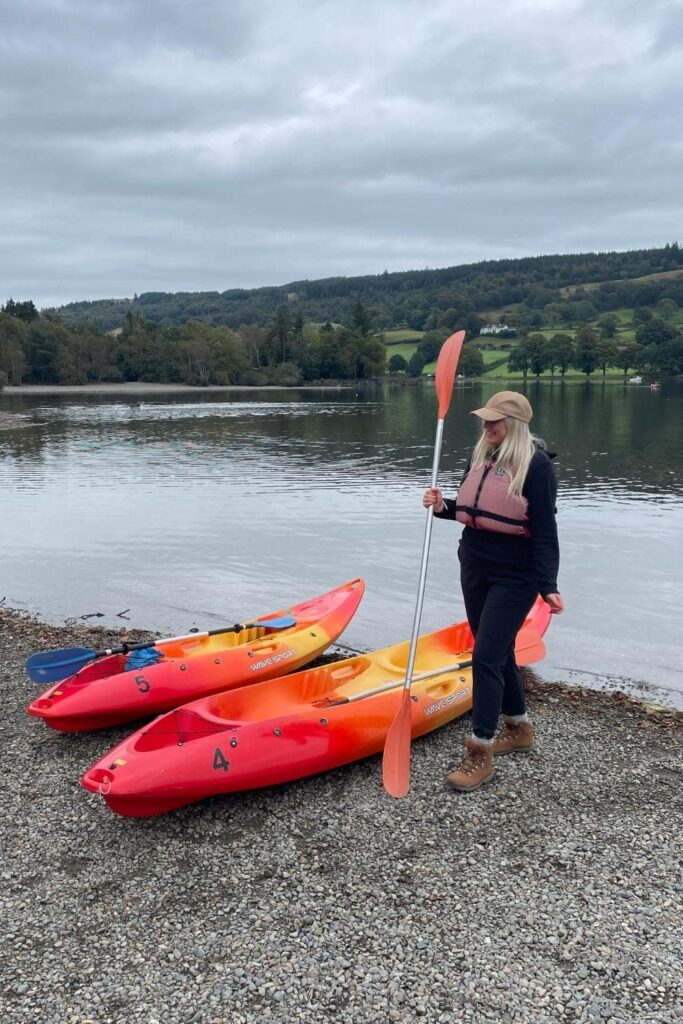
[172, 146]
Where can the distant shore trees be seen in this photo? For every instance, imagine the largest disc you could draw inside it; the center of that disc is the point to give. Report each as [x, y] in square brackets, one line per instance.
[564, 313]
[588, 352]
[39, 349]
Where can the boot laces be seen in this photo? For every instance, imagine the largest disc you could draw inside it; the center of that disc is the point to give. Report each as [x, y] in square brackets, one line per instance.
[471, 762]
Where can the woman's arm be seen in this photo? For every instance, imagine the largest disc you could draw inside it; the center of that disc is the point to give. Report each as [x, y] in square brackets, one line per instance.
[444, 508]
[540, 489]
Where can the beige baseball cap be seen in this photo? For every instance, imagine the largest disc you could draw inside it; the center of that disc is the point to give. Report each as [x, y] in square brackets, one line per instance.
[506, 403]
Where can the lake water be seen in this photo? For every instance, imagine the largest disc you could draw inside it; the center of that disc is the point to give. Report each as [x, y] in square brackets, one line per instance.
[205, 508]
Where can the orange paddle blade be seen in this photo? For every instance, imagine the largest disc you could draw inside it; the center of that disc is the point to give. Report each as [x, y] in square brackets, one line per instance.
[446, 366]
[396, 760]
[529, 647]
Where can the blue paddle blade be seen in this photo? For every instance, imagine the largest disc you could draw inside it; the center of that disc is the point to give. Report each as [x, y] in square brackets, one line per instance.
[51, 666]
[283, 622]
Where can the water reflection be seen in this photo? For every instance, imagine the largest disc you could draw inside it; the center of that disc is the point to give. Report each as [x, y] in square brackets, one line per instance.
[614, 439]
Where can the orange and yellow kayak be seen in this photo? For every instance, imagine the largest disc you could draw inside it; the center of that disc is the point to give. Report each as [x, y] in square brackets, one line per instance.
[104, 693]
[298, 725]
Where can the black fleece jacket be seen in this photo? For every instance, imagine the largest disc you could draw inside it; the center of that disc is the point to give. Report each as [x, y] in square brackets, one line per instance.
[539, 553]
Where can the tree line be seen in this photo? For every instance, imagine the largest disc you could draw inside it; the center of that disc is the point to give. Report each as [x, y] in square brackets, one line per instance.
[332, 329]
[42, 349]
[37, 349]
[657, 349]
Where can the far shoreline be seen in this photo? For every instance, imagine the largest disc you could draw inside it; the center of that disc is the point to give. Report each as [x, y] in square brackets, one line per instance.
[48, 630]
[141, 388]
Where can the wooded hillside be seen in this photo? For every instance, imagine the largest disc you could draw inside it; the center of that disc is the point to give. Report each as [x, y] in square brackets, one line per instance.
[541, 315]
[422, 299]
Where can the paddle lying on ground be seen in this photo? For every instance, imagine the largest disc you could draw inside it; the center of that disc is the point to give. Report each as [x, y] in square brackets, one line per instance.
[396, 760]
[529, 648]
[51, 666]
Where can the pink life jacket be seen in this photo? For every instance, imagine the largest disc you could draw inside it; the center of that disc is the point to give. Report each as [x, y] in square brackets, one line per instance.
[483, 502]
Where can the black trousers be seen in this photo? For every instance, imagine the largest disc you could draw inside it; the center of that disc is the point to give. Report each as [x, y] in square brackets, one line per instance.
[497, 600]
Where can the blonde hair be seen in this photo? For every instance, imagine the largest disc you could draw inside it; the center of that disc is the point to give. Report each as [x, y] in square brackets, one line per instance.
[514, 454]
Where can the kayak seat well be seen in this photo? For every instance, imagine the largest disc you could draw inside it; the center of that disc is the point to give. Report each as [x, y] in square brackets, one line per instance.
[102, 668]
[316, 682]
[454, 643]
[177, 729]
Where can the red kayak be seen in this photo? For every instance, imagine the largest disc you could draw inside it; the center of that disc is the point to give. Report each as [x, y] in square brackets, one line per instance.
[104, 693]
[294, 726]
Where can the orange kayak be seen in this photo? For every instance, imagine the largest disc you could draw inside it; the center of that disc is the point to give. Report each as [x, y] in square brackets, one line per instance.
[104, 693]
[298, 725]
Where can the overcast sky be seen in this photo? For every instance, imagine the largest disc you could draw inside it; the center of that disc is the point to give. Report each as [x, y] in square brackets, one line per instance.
[191, 145]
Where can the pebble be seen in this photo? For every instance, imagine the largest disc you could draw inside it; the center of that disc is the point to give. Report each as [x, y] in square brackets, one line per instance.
[553, 893]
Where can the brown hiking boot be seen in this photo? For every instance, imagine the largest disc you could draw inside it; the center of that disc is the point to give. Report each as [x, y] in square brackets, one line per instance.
[475, 768]
[513, 736]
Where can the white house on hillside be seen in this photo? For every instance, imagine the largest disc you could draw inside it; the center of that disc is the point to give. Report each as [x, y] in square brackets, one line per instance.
[494, 328]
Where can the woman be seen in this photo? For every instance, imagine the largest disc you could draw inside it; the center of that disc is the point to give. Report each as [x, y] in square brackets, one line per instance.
[508, 554]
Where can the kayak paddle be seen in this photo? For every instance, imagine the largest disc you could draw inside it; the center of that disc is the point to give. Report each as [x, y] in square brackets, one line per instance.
[51, 666]
[396, 760]
[528, 649]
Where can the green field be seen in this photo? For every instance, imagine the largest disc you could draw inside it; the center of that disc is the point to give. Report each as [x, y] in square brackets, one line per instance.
[502, 372]
[401, 334]
[403, 341]
[493, 355]
[404, 349]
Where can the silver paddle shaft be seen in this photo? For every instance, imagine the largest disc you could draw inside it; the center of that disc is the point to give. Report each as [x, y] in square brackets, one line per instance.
[425, 558]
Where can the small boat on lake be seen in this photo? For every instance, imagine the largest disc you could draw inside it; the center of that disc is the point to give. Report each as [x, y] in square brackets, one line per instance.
[295, 726]
[635, 380]
[106, 692]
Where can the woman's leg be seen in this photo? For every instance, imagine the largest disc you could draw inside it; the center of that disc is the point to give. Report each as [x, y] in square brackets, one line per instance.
[513, 703]
[505, 608]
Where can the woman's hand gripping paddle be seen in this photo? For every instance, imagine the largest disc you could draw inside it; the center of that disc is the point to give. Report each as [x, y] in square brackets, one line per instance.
[396, 760]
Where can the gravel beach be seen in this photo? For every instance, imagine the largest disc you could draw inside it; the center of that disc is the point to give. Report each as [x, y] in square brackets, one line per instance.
[554, 893]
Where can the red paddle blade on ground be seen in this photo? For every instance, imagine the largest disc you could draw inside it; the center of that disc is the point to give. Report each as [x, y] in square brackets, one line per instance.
[445, 370]
[396, 760]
